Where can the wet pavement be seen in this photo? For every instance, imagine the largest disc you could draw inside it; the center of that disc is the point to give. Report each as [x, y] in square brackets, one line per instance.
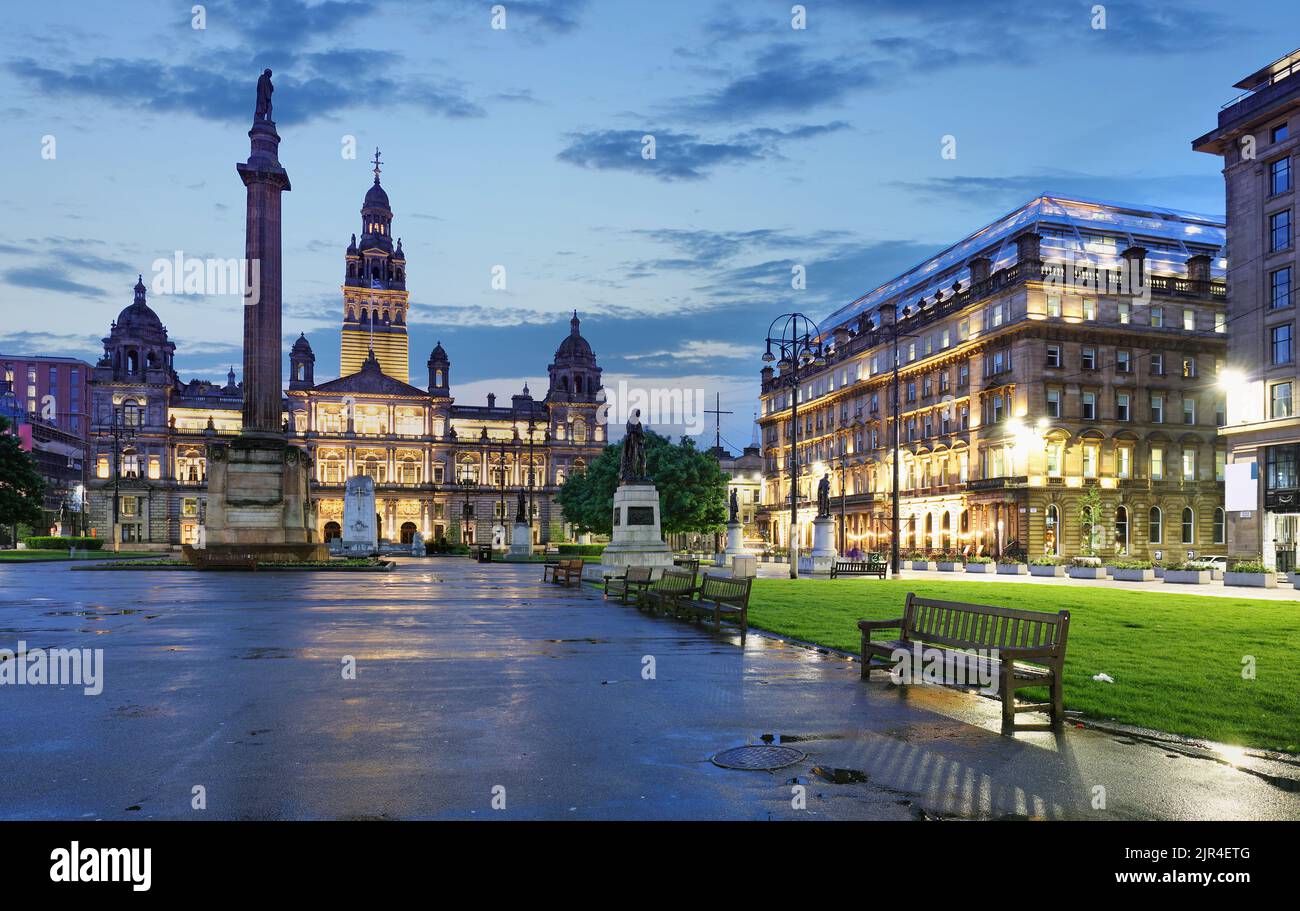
[471, 679]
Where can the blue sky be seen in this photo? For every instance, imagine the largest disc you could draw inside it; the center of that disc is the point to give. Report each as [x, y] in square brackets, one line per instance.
[522, 147]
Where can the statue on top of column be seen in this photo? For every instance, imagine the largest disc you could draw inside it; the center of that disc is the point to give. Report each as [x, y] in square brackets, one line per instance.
[264, 90]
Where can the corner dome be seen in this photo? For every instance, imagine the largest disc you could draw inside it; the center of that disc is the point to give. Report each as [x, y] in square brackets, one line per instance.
[574, 346]
[139, 317]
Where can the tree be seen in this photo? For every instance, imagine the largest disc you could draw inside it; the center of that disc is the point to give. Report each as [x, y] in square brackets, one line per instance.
[692, 488]
[22, 489]
[1090, 519]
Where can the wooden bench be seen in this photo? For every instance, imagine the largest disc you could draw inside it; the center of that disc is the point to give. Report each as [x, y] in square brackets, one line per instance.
[660, 594]
[685, 564]
[567, 572]
[872, 566]
[1028, 648]
[718, 597]
[549, 565]
[630, 583]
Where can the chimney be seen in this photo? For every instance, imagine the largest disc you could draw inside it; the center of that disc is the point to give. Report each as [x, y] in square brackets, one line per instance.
[1136, 259]
[492, 400]
[1198, 267]
[1028, 247]
[979, 269]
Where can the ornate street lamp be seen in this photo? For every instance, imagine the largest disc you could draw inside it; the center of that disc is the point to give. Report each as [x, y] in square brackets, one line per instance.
[798, 345]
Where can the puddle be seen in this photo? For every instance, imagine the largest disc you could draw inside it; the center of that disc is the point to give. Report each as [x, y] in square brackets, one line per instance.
[839, 776]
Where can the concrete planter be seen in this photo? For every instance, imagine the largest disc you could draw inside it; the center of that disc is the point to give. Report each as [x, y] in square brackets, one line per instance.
[1086, 572]
[1160, 572]
[950, 567]
[1251, 580]
[1187, 576]
[1133, 575]
[1039, 570]
[1012, 569]
[981, 567]
[920, 565]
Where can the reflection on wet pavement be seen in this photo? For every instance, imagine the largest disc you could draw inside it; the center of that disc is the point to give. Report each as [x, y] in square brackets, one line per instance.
[470, 677]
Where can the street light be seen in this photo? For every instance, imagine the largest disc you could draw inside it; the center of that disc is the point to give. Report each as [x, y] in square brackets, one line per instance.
[466, 483]
[121, 430]
[798, 344]
[892, 333]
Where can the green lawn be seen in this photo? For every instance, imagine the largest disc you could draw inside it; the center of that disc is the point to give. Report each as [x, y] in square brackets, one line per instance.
[1176, 659]
[40, 556]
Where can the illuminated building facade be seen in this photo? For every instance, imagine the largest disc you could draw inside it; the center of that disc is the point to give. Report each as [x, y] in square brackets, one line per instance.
[1254, 138]
[1071, 345]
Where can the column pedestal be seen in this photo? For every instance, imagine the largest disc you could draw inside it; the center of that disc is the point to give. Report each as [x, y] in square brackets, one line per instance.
[822, 557]
[637, 540]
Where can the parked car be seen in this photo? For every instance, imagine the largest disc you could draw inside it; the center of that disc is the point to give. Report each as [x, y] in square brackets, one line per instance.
[1216, 563]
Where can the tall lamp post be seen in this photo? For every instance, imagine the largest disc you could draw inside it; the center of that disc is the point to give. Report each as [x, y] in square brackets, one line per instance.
[893, 333]
[466, 483]
[799, 344]
[121, 430]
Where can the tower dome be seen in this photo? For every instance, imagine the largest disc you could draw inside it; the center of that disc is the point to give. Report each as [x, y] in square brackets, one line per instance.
[139, 316]
[574, 374]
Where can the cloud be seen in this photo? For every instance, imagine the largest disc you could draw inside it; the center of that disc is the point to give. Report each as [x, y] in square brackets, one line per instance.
[698, 350]
[994, 194]
[48, 279]
[86, 345]
[783, 80]
[211, 92]
[681, 155]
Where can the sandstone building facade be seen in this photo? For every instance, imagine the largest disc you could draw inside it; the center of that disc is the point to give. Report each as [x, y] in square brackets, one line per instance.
[1070, 346]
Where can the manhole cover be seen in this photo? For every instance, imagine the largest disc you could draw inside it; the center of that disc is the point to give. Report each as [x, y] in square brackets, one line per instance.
[757, 758]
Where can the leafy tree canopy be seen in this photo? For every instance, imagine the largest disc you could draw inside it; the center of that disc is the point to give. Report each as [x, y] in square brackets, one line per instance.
[692, 488]
[22, 489]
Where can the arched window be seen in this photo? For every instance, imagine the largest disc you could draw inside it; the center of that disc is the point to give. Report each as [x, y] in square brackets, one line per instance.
[1051, 536]
[333, 531]
[365, 314]
[946, 525]
[1157, 525]
[437, 381]
[1121, 528]
[1189, 525]
[132, 362]
[579, 432]
[1220, 529]
[929, 529]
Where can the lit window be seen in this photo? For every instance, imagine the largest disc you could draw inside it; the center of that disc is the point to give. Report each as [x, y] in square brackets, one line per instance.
[1157, 317]
[1189, 464]
[1157, 463]
[1189, 319]
[1125, 312]
[1090, 460]
[1124, 462]
[1053, 305]
[1089, 309]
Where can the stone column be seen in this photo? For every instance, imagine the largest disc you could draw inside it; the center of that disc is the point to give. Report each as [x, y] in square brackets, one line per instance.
[265, 181]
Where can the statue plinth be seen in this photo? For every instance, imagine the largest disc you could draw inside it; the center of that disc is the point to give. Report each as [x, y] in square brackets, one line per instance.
[636, 540]
[823, 554]
[521, 540]
[735, 541]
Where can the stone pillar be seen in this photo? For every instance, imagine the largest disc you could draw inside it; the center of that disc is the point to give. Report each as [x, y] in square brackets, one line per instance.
[265, 181]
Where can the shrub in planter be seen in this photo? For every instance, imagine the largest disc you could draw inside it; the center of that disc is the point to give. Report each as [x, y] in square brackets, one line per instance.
[1186, 574]
[1010, 566]
[1133, 571]
[1046, 566]
[581, 550]
[950, 562]
[1250, 574]
[980, 565]
[1086, 568]
[62, 542]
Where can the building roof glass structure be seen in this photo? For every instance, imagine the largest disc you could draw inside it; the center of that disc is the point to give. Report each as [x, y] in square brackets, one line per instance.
[1085, 231]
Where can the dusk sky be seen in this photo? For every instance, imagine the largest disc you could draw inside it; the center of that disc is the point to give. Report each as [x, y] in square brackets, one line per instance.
[522, 147]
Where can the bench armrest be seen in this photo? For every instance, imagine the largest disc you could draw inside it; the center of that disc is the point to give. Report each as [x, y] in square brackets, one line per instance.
[868, 625]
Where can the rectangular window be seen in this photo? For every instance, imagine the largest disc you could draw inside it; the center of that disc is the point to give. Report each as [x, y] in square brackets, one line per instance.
[1189, 368]
[1280, 288]
[1053, 403]
[1090, 406]
[1280, 468]
[1124, 462]
[1189, 464]
[1189, 411]
[130, 507]
[1279, 133]
[1157, 317]
[1157, 362]
[1220, 461]
[1053, 355]
[1053, 305]
[1054, 460]
[1280, 400]
[1125, 313]
[1088, 358]
[1279, 176]
[1220, 322]
[1124, 361]
[1121, 407]
[1157, 463]
[190, 508]
[1090, 461]
[1279, 230]
[1089, 309]
[1189, 319]
[1157, 409]
[1281, 344]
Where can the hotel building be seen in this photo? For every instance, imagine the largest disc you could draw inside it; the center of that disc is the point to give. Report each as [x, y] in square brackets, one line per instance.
[1071, 345]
